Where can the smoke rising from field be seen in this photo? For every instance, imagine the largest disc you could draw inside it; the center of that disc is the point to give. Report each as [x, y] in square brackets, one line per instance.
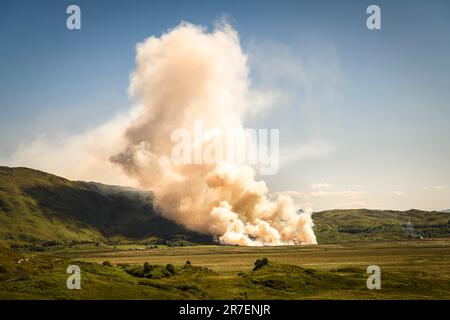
[187, 75]
[190, 75]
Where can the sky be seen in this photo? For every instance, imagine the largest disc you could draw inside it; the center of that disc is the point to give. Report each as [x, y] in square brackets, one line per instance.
[367, 110]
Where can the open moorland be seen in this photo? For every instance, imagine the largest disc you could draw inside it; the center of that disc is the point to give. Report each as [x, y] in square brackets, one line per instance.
[127, 249]
[409, 270]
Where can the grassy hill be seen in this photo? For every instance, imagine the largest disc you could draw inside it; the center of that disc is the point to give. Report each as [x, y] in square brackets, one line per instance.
[37, 207]
[410, 270]
[43, 209]
[383, 225]
[40, 210]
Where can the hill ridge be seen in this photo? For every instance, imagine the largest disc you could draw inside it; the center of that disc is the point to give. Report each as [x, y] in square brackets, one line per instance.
[36, 206]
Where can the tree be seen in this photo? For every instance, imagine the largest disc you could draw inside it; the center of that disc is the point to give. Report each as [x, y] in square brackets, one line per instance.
[170, 268]
[260, 263]
[148, 267]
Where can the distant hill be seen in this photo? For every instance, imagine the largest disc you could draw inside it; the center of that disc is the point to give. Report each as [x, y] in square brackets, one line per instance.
[36, 207]
[380, 225]
[447, 210]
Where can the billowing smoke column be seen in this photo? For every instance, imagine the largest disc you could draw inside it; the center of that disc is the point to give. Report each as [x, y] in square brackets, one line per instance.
[185, 76]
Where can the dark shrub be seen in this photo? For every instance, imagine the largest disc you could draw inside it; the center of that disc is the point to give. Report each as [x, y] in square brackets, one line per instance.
[138, 272]
[107, 263]
[123, 265]
[272, 283]
[170, 268]
[165, 273]
[148, 267]
[51, 243]
[310, 271]
[260, 263]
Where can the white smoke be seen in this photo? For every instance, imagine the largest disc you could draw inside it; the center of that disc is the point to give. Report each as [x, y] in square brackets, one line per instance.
[187, 75]
[190, 75]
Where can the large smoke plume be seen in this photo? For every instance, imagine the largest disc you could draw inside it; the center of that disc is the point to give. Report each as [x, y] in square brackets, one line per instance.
[185, 76]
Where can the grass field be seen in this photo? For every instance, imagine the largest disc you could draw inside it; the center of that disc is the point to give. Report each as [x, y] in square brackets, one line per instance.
[48, 223]
[409, 270]
[41, 210]
[233, 259]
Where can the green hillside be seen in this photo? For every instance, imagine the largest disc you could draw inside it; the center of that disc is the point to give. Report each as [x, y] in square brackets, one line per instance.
[43, 209]
[37, 207]
[410, 270]
[380, 225]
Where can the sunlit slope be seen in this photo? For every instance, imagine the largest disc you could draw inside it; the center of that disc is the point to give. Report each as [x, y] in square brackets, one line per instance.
[36, 206]
[380, 225]
[410, 270]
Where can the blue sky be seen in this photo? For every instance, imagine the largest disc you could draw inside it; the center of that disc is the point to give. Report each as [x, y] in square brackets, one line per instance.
[380, 98]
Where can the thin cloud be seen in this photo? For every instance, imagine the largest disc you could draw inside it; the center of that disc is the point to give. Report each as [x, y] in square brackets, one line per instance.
[324, 200]
[351, 194]
[321, 185]
[312, 149]
[351, 205]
